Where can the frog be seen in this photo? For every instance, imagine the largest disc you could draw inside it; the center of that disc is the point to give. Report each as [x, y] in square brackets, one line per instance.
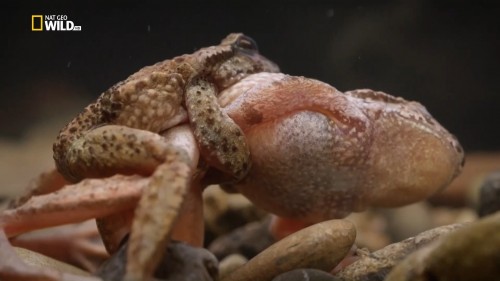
[323, 153]
[316, 153]
[120, 134]
[154, 99]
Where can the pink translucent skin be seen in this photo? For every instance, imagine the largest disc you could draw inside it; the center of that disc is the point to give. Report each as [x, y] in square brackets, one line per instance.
[319, 154]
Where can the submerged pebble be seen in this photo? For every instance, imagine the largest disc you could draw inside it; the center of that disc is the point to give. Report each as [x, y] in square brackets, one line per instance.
[489, 195]
[181, 262]
[320, 246]
[376, 265]
[470, 253]
[230, 264]
[371, 230]
[248, 240]
[224, 212]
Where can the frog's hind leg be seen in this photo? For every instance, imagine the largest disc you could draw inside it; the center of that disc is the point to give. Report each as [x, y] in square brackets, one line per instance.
[87, 199]
[23, 265]
[155, 215]
[46, 182]
[169, 193]
[12, 267]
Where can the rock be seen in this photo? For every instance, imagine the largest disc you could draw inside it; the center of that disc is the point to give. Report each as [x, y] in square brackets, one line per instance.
[214, 204]
[371, 230]
[489, 195]
[230, 264]
[248, 240]
[444, 216]
[182, 262]
[376, 265]
[320, 246]
[470, 253]
[407, 221]
[305, 274]
[224, 212]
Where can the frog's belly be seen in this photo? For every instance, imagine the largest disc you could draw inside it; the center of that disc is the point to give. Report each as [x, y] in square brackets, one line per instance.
[295, 172]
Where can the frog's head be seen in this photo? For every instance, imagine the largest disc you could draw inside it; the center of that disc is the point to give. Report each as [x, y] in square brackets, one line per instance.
[244, 60]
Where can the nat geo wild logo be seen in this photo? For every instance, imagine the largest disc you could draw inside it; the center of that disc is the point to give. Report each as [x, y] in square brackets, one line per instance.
[53, 23]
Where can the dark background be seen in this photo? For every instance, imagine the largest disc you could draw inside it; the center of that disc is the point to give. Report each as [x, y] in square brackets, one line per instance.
[444, 54]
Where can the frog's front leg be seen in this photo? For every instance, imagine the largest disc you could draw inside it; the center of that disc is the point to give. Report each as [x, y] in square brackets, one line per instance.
[221, 140]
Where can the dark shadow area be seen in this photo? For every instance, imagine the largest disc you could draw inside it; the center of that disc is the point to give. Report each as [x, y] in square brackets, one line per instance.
[444, 54]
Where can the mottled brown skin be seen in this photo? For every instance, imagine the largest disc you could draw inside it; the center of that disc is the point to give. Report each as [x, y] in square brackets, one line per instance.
[152, 100]
[120, 133]
[318, 153]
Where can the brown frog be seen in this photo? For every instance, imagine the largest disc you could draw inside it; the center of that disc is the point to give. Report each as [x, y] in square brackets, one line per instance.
[119, 134]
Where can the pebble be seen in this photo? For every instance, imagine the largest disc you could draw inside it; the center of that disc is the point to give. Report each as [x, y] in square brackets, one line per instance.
[377, 264]
[371, 228]
[306, 274]
[489, 195]
[320, 246]
[444, 216]
[230, 264]
[470, 253]
[407, 221]
[224, 212]
[182, 262]
[248, 240]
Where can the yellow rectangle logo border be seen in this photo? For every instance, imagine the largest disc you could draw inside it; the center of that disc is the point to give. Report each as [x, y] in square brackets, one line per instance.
[33, 17]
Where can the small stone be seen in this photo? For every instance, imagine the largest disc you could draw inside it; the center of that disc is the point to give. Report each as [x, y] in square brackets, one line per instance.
[182, 262]
[224, 212]
[489, 195]
[470, 253]
[407, 221]
[320, 246]
[306, 274]
[230, 264]
[371, 229]
[376, 265]
[248, 240]
[214, 204]
[446, 216]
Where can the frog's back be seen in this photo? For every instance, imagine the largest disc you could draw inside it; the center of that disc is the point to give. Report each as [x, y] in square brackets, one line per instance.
[145, 100]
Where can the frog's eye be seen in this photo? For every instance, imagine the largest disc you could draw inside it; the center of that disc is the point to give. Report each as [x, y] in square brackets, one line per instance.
[246, 44]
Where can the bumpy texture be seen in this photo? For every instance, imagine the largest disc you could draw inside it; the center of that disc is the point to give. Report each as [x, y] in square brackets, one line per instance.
[152, 100]
[318, 153]
[120, 134]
